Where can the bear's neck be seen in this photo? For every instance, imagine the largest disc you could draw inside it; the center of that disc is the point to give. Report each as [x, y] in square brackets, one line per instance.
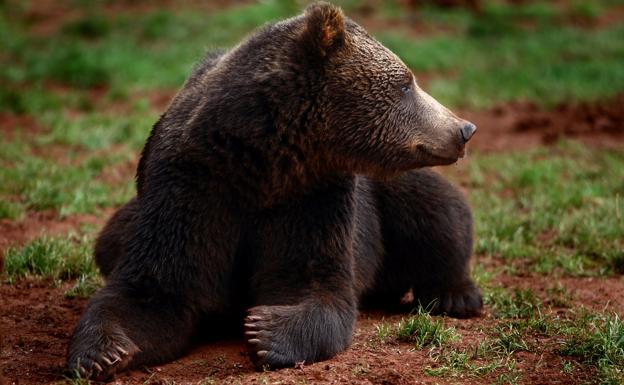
[264, 157]
[250, 138]
[267, 169]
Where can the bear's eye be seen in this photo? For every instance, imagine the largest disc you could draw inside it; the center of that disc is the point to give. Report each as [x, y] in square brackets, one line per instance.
[406, 88]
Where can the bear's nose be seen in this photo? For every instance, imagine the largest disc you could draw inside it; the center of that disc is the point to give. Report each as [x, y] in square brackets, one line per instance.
[467, 131]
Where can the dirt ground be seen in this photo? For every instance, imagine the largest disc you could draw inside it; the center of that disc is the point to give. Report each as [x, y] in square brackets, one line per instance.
[36, 320]
[44, 320]
[519, 126]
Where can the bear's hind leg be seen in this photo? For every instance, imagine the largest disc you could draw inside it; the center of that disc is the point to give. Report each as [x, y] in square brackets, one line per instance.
[428, 234]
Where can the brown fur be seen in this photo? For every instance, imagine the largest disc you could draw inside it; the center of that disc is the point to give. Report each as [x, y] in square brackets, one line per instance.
[325, 30]
[255, 195]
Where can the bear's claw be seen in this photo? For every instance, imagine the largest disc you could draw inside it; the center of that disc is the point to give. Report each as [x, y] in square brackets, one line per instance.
[266, 345]
[102, 361]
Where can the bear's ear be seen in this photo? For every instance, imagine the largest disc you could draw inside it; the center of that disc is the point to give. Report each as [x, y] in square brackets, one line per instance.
[324, 29]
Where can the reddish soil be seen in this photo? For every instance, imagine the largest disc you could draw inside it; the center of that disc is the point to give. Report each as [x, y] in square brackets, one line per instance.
[518, 126]
[37, 323]
[11, 123]
[594, 293]
[16, 233]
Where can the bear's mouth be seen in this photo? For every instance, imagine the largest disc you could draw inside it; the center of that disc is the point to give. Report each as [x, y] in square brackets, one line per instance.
[440, 160]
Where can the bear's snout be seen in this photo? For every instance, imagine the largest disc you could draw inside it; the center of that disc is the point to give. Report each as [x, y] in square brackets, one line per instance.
[467, 131]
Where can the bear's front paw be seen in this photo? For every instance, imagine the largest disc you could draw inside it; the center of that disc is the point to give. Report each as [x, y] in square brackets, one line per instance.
[461, 302]
[100, 357]
[265, 328]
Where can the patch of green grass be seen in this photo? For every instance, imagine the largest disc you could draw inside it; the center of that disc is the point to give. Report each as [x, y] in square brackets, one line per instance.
[480, 274]
[547, 66]
[497, 19]
[493, 354]
[522, 304]
[152, 50]
[567, 367]
[597, 340]
[384, 331]
[10, 210]
[509, 339]
[559, 296]
[433, 54]
[458, 363]
[521, 310]
[557, 209]
[74, 65]
[32, 182]
[586, 10]
[99, 131]
[58, 259]
[420, 329]
[509, 377]
[33, 100]
[55, 258]
[84, 286]
[75, 378]
[600, 344]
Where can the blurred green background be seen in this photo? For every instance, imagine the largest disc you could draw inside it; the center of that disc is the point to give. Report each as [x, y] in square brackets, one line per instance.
[544, 51]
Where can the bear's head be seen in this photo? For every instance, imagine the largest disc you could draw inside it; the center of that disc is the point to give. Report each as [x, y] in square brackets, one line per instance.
[316, 94]
[374, 118]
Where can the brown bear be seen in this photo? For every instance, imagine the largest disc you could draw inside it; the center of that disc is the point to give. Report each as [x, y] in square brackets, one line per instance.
[286, 180]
